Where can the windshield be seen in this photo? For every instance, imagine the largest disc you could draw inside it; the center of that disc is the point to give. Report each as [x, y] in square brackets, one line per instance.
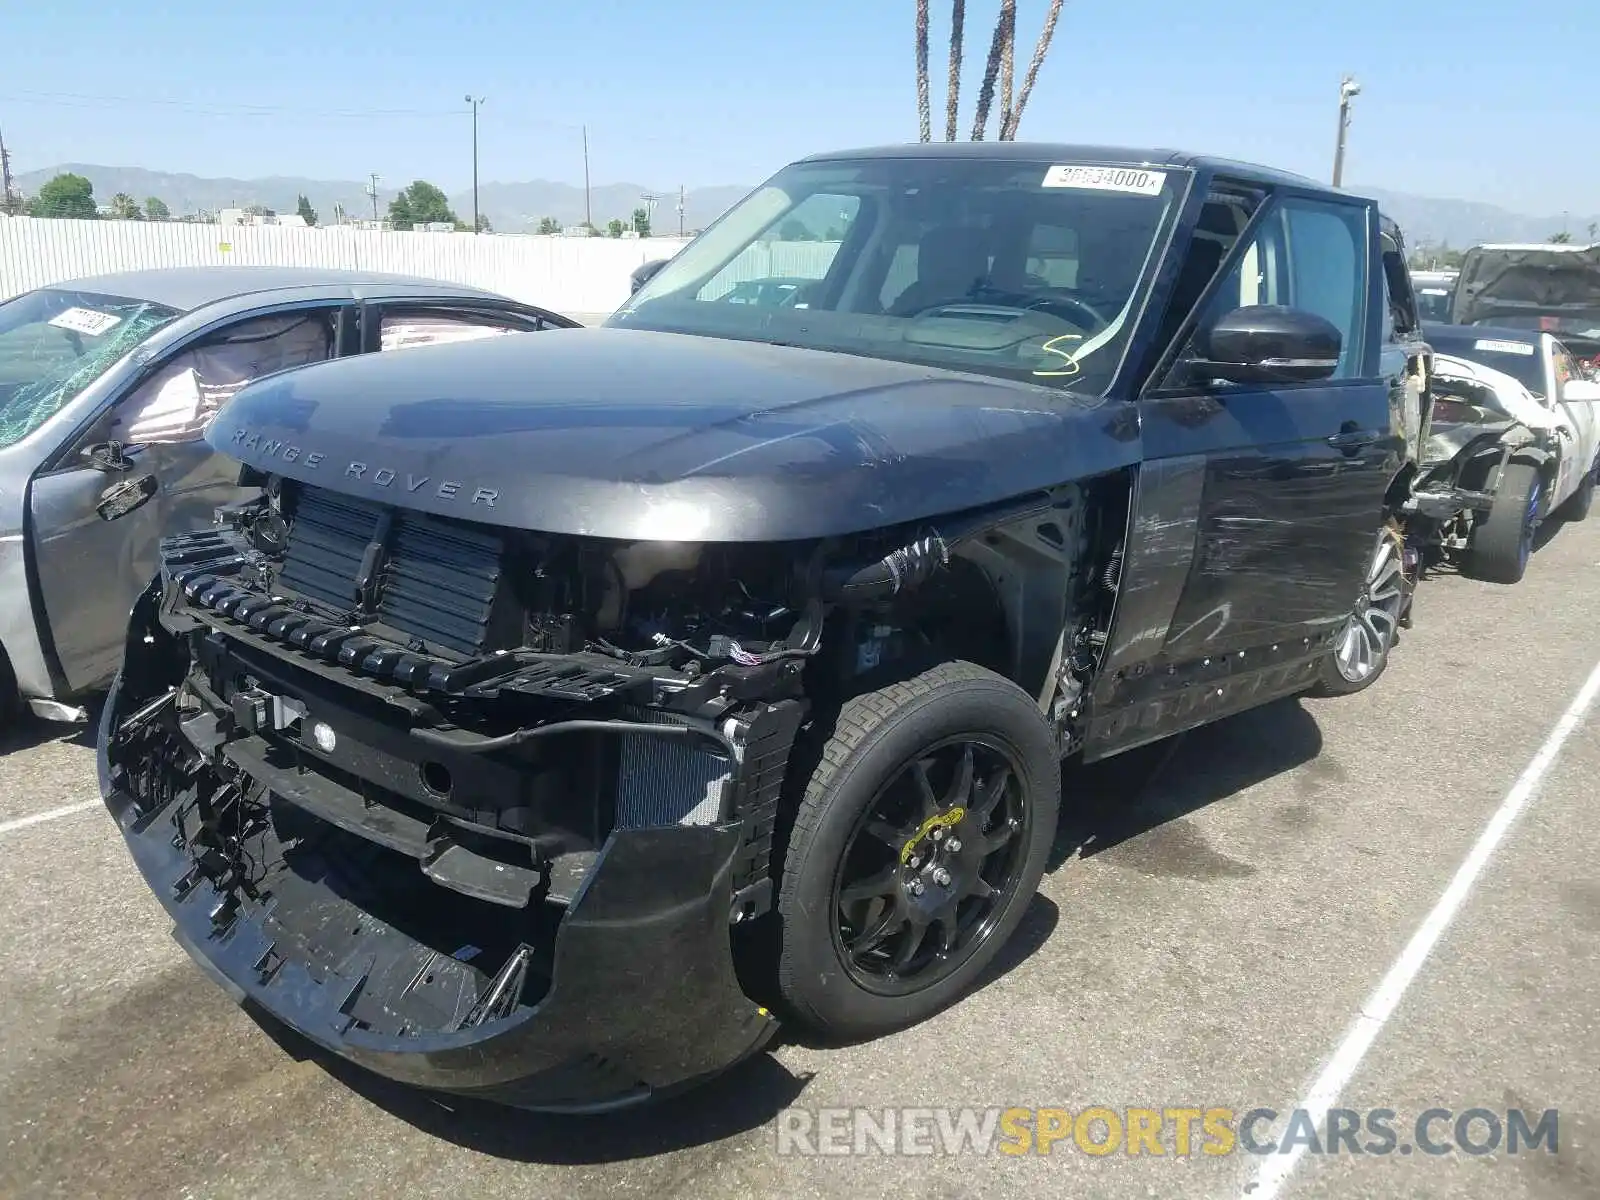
[1517, 358]
[1433, 303]
[1027, 270]
[55, 343]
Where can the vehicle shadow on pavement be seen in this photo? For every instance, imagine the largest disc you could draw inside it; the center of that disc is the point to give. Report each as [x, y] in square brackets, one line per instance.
[31, 732]
[744, 1099]
[1109, 804]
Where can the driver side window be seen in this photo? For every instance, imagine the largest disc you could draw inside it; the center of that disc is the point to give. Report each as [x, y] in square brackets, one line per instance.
[178, 401]
[1307, 254]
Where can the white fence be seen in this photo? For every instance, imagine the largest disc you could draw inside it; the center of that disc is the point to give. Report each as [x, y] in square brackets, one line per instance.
[569, 275]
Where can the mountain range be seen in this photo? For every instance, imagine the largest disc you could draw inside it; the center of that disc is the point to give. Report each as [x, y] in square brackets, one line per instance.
[510, 207]
[518, 207]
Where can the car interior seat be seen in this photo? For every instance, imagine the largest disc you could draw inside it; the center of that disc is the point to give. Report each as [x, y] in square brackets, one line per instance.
[952, 261]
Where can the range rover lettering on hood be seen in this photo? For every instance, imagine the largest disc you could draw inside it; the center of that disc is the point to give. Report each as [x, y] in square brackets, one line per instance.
[368, 473]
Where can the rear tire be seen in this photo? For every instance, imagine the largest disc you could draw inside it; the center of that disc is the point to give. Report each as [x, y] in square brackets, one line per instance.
[1502, 542]
[11, 706]
[1578, 504]
[917, 846]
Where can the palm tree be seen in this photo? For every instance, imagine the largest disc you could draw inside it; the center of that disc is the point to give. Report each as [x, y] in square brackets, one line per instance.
[125, 208]
[958, 21]
[998, 70]
[1005, 29]
[924, 115]
[1008, 132]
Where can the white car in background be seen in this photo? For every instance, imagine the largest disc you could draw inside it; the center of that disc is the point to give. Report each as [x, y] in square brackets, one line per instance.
[1434, 290]
[1546, 463]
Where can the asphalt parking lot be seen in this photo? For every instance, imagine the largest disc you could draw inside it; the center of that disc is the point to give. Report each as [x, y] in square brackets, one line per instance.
[1220, 911]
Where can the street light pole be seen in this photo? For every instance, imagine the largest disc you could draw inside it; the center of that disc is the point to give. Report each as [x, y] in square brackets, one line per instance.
[477, 226]
[1349, 89]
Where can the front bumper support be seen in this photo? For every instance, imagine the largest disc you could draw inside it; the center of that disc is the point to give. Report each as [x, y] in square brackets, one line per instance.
[642, 995]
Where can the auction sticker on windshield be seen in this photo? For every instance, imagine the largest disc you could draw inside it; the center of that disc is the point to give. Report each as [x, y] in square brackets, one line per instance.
[85, 320]
[1495, 346]
[1106, 179]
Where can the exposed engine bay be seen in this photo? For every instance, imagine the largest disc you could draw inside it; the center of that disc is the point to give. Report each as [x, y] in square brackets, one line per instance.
[329, 677]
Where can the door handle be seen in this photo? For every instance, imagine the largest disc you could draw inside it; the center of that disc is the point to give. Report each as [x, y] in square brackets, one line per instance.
[1353, 440]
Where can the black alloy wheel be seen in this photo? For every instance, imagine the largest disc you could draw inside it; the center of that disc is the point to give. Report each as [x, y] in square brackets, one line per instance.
[920, 882]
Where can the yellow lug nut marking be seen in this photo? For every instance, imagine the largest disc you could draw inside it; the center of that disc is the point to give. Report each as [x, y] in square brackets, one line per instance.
[938, 821]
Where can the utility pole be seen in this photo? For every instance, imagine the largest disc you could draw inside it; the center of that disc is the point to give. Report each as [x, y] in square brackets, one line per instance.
[372, 190]
[680, 210]
[588, 216]
[477, 226]
[8, 198]
[1349, 89]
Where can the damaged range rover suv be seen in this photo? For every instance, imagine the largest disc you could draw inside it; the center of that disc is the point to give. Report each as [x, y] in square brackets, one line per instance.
[564, 708]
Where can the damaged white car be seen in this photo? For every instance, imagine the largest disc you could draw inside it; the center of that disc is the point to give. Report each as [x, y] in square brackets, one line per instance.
[1514, 439]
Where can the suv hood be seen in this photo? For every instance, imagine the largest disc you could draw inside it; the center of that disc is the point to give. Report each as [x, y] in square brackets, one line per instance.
[632, 434]
[1496, 283]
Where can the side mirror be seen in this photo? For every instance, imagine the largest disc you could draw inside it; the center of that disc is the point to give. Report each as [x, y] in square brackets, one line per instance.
[1580, 391]
[109, 457]
[122, 498]
[1268, 343]
[644, 273]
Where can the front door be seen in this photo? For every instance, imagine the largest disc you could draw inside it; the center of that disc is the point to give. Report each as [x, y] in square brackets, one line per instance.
[1264, 500]
[143, 470]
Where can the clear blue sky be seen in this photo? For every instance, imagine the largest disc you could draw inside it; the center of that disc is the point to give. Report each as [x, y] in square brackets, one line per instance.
[1462, 100]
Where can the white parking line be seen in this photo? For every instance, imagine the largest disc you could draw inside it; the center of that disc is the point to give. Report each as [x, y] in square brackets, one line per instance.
[50, 814]
[1380, 1006]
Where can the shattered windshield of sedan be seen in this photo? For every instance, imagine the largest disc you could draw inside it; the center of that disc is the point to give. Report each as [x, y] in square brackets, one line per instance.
[55, 343]
[1033, 271]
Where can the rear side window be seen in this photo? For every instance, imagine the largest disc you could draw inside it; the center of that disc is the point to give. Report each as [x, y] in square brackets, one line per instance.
[1400, 310]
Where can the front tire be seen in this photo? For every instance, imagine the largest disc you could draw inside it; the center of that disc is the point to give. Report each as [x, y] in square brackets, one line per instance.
[1361, 652]
[1502, 542]
[918, 844]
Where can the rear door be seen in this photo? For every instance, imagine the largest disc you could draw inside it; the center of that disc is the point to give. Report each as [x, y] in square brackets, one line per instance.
[1283, 484]
[142, 469]
[1578, 416]
[396, 324]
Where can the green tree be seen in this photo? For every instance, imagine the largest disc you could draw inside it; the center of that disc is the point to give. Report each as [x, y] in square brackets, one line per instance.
[483, 224]
[641, 221]
[66, 195]
[420, 204]
[125, 208]
[307, 213]
[156, 209]
[614, 227]
[549, 225]
[794, 230]
[1560, 239]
